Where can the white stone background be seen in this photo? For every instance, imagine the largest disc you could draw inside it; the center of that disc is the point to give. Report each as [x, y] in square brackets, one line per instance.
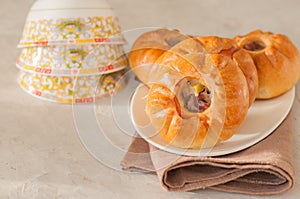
[40, 153]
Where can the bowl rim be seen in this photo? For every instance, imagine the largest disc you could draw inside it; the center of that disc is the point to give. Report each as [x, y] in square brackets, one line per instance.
[69, 4]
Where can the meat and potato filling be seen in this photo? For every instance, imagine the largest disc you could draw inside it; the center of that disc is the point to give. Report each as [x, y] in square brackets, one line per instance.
[192, 96]
[254, 46]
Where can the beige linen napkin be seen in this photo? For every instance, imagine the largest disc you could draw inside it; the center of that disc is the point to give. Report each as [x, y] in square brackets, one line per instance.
[264, 168]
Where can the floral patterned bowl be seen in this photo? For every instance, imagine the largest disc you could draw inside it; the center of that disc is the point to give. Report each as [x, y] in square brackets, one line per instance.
[70, 22]
[72, 90]
[76, 60]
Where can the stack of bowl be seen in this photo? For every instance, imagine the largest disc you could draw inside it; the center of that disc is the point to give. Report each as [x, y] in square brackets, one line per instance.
[72, 51]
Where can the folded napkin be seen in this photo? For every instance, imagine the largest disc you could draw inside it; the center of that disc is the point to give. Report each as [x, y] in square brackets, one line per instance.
[265, 168]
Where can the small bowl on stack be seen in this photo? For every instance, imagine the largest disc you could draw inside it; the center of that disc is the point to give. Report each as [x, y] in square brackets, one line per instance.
[72, 51]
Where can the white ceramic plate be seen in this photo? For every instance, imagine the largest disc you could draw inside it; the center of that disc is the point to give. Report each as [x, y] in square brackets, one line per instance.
[262, 119]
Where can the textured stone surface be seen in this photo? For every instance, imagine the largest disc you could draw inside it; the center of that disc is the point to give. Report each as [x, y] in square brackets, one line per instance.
[41, 155]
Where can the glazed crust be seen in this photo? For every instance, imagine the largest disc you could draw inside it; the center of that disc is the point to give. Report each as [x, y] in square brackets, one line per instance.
[148, 47]
[237, 71]
[190, 60]
[226, 46]
[277, 61]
